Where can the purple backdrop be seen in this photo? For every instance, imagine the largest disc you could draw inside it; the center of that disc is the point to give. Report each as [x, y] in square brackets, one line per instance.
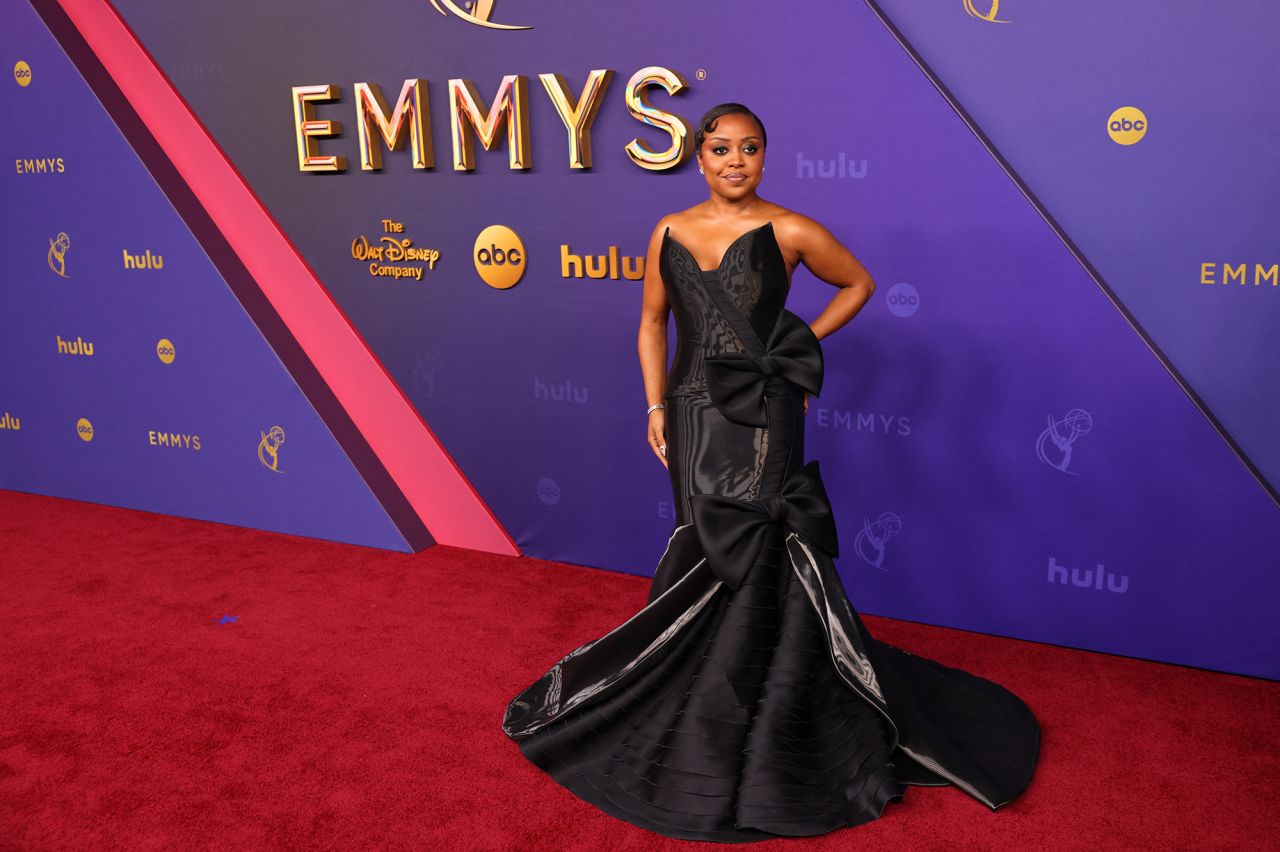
[1004, 451]
[179, 437]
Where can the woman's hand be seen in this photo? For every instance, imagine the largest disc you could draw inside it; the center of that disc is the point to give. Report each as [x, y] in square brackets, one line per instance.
[806, 403]
[658, 434]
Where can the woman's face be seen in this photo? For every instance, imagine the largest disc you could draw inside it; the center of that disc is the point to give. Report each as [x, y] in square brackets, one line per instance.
[732, 156]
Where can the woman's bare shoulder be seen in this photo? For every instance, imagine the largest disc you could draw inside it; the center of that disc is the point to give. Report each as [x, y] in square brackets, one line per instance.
[797, 229]
[690, 216]
[676, 221]
[681, 223]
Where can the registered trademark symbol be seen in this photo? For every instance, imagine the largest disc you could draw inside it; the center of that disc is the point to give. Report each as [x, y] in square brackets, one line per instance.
[701, 74]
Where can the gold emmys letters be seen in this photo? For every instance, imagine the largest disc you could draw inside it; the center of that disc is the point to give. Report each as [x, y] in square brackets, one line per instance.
[470, 119]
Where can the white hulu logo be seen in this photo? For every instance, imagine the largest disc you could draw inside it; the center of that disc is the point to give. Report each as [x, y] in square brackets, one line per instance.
[838, 167]
[1090, 578]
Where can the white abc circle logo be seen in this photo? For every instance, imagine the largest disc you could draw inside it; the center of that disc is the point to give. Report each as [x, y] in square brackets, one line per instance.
[903, 300]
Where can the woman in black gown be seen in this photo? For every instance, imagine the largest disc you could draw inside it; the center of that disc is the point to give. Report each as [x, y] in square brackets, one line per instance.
[747, 700]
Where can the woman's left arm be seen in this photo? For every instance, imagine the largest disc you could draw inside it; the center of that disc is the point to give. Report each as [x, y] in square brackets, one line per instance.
[829, 261]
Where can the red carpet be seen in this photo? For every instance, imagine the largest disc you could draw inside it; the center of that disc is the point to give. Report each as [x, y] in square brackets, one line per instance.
[355, 703]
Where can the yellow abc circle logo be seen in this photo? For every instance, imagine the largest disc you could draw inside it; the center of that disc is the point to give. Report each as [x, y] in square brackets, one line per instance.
[84, 429]
[165, 351]
[22, 73]
[1127, 125]
[499, 257]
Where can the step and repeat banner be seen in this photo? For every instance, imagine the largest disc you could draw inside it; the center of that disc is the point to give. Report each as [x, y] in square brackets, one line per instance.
[1063, 441]
[131, 375]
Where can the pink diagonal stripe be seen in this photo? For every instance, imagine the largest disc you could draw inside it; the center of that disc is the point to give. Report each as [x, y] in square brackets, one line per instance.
[428, 477]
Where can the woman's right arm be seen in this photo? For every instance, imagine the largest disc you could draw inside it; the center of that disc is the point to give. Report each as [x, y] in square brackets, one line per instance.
[651, 342]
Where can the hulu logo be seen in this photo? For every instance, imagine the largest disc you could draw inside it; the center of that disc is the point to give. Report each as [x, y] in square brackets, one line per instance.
[612, 265]
[1090, 578]
[837, 167]
[79, 346]
[565, 391]
[146, 260]
[10, 423]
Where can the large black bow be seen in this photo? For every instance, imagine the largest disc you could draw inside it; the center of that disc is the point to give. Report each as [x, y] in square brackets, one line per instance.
[736, 382]
[732, 531]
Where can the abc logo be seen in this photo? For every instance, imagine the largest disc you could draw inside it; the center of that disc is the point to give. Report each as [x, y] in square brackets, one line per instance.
[165, 352]
[84, 429]
[548, 491]
[1127, 125]
[22, 73]
[903, 300]
[499, 257]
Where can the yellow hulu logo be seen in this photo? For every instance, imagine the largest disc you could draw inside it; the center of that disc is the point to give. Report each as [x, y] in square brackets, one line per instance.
[10, 423]
[600, 265]
[146, 260]
[79, 346]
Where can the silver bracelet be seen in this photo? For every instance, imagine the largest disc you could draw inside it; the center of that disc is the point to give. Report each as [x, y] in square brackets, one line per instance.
[656, 405]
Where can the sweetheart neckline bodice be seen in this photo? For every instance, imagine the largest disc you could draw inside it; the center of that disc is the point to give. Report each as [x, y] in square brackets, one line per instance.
[725, 256]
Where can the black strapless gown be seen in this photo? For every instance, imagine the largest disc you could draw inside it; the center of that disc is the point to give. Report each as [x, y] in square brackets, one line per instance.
[747, 700]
